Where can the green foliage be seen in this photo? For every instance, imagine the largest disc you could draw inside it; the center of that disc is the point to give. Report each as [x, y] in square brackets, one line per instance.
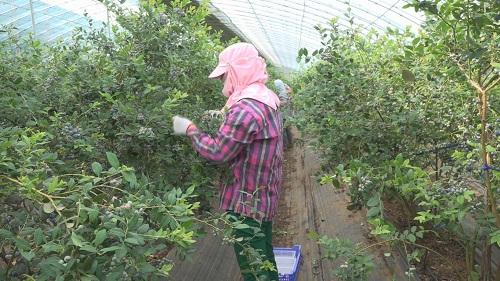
[75, 117]
[495, 237]
[100, 94]
[356, 92]
[355, 264]
[96, 225]
[395, 117]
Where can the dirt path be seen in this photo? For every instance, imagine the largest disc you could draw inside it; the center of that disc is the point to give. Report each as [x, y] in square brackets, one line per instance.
[307, 206]
[304, 206]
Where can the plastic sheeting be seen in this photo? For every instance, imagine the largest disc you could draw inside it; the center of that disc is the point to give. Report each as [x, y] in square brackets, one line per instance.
[278, 28]
[50, 20]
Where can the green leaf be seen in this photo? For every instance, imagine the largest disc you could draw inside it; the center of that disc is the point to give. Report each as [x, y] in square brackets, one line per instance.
[146, 268]
[374, 201]
[132, 240]
[49, 156]
[97, 168]
[490, 149]
[52, 247]
[118, 232]
[114, 276]
[241, 226]
[380, 230]
[100, 236]
[143, 228]
[166, 268]
[423, 216]
[52, 266]
[48, 208]
[22, 244]
[5, 234]
[171, 197]
[373, 212]
[303, 52]
[495, 238]
[113, 160]
[38, 236]
[130, 177]
[107, 97]
[28, 255]
[77, 239]
[54, 183]
[88, 248]
[408, 75]
[468, 195]
[411, 237]
[110, 249]
[92, 213]
[190, 190]
[336, 183]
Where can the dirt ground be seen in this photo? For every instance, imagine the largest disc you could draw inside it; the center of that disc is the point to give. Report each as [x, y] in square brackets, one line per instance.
[304, 206]
[447, 260]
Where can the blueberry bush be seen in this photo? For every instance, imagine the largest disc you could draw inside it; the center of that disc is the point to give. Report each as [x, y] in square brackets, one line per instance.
[93, 185]
[408, 117]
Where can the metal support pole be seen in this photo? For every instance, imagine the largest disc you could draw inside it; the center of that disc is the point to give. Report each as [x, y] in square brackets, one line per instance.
[32, 18]
[109, 22]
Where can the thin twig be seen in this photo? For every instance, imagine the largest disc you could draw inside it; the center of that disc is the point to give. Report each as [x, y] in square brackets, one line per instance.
[491, 84]
[469, 79]
[487, 74]
[50, 199]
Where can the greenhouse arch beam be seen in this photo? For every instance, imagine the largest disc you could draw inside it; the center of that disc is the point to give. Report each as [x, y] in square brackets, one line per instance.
[409, 17]
[265, 31]
[32, 18]
[342, 22]
[317, 19]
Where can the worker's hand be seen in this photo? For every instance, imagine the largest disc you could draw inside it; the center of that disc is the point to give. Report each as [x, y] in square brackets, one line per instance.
[180, 125]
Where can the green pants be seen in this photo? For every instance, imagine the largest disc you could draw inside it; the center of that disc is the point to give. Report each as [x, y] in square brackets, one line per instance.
[262, 244]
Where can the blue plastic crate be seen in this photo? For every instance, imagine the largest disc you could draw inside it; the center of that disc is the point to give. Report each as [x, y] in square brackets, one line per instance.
[288, 262]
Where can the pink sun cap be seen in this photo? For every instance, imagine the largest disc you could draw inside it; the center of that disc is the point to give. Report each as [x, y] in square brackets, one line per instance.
[232, 54]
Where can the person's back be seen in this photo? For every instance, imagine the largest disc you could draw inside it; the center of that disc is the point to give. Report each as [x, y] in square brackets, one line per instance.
[259, 164]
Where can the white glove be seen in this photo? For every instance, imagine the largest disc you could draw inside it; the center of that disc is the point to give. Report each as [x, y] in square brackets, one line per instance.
[180, 125]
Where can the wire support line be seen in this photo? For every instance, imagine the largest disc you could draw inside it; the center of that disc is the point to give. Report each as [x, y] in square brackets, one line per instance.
[265, 33]
[315, 13]
[411, 18]
[302, 23]
[232, 26]
[385, 12]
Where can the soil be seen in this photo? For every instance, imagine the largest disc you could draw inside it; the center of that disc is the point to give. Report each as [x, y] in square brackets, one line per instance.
[446, 262]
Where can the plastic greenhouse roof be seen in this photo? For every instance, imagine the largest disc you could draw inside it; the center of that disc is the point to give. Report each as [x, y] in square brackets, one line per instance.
[51, 20]
[278, 28]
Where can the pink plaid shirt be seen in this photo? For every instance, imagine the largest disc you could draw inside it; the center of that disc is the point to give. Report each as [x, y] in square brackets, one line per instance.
[250, 141]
